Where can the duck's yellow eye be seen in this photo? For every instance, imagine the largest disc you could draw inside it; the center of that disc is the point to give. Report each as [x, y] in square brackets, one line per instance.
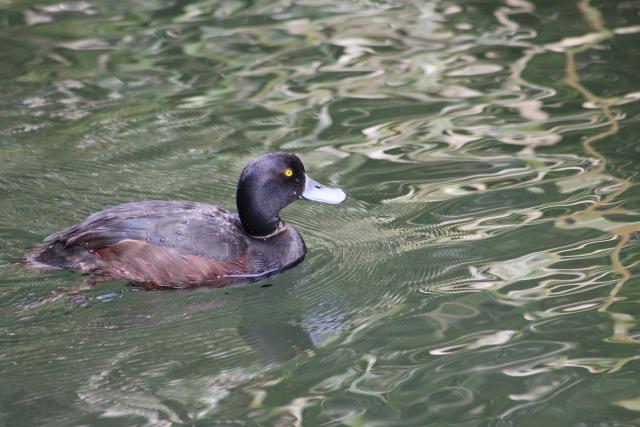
[288, 173]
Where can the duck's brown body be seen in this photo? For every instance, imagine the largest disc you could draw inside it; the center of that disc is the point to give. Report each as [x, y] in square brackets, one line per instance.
[169, 244]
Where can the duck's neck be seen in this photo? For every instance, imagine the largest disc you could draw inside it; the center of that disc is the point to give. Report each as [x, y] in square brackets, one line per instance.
[260, 217]
[257, 224]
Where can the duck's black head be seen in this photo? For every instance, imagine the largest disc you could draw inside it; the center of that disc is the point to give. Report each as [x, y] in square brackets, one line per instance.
[268, 184]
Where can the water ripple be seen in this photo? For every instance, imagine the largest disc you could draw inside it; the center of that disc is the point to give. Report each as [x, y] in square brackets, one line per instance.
[482, 271]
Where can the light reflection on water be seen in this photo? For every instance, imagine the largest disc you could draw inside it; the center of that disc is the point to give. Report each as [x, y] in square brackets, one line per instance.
[484, 270]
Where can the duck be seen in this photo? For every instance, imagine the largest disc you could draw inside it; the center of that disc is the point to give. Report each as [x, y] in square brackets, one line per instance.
[156, 244]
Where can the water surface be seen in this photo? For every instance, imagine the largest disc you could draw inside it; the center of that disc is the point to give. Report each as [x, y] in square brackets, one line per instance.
[483, 272]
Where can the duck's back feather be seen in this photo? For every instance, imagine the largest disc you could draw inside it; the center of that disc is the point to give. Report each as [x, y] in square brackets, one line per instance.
[189, 227]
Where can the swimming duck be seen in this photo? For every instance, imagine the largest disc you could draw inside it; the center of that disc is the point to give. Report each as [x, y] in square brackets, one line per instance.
[182, 244]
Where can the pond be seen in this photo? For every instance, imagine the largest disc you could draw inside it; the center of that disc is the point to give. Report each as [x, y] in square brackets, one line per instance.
[484, 271]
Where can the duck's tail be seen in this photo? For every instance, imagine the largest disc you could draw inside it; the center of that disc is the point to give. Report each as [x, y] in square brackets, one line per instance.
[58, 256]
[47, 257]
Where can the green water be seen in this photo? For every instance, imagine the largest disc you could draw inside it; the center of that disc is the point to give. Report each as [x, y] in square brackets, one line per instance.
[484, 272]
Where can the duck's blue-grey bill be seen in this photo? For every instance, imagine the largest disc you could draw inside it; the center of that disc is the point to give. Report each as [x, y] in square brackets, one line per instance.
[320, 193]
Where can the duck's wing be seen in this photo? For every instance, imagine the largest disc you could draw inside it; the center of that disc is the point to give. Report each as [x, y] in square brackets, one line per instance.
[158, 244]
[191, 229]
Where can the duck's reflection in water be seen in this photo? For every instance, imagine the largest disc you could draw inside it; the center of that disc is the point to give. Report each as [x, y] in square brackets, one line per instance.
[194, 371]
